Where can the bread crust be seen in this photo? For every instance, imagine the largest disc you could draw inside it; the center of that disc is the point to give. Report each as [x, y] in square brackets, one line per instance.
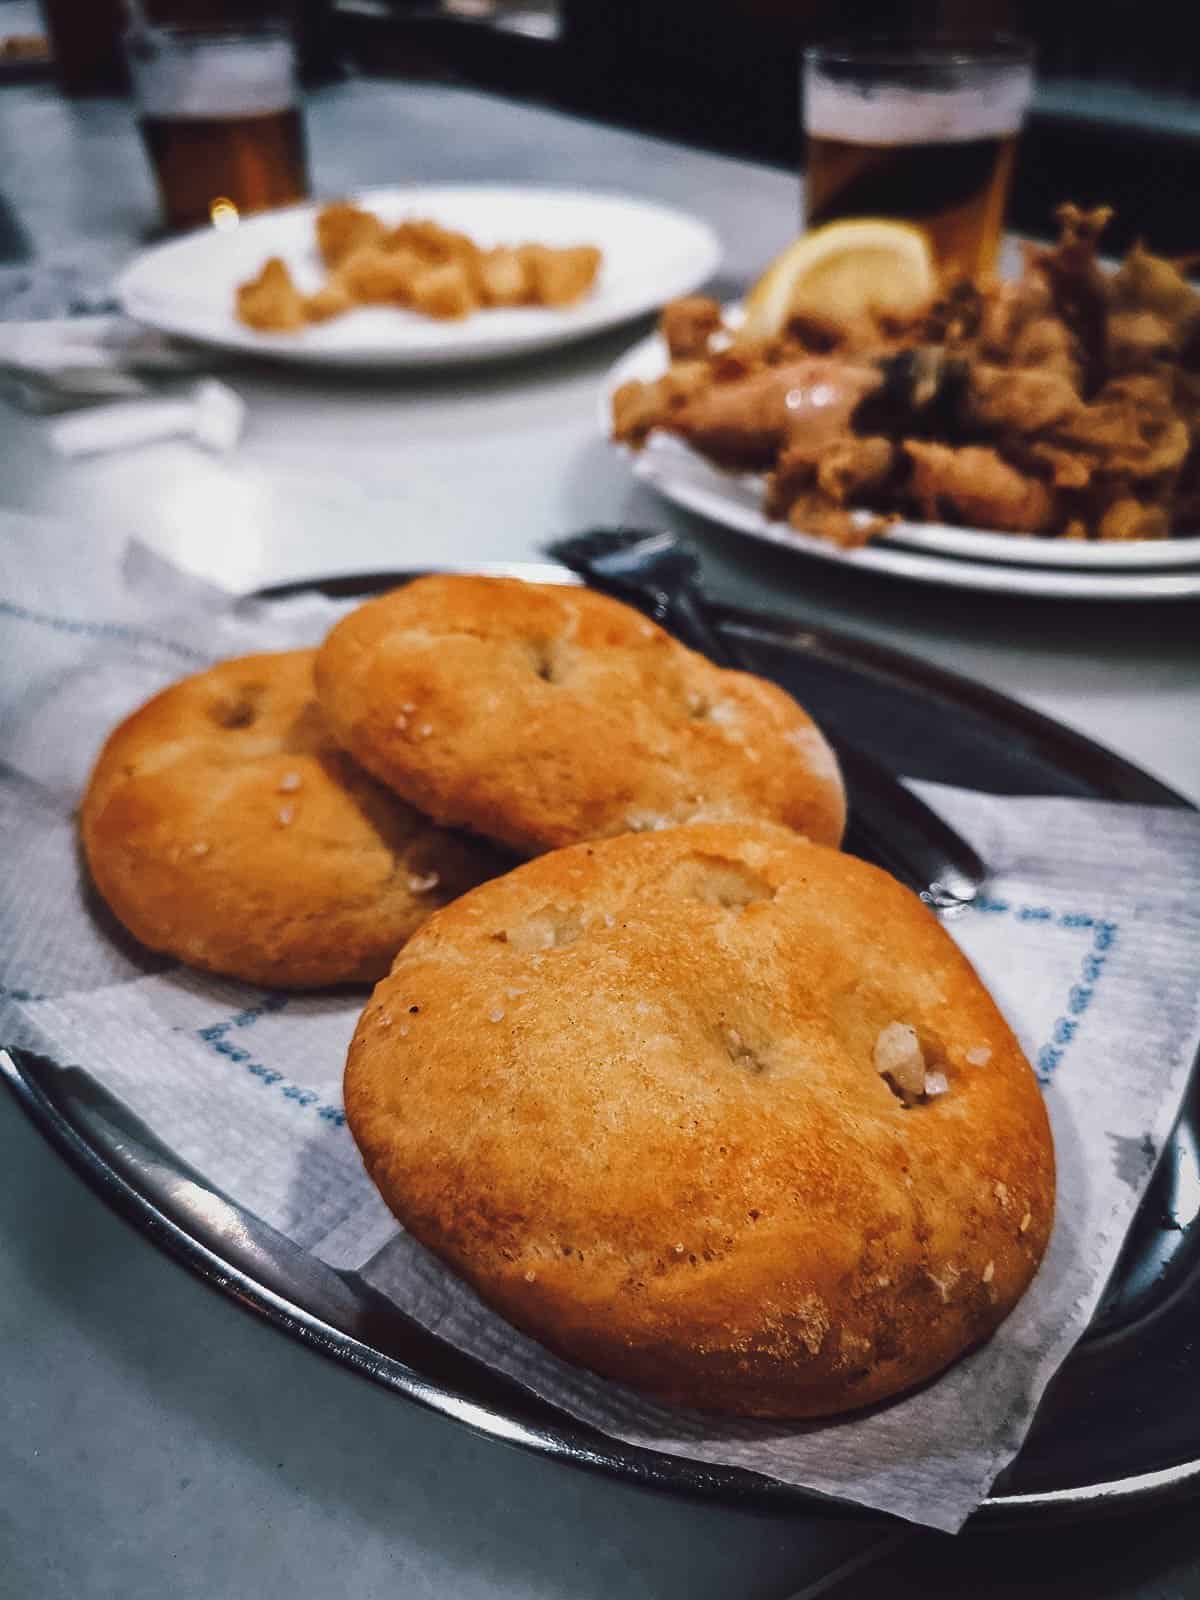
[631, 1093]
[224, 826]
[541, 715]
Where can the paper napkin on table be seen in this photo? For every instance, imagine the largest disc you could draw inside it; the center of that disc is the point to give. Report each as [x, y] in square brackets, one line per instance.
[56, 363]
[1088, 939]
[96, 369]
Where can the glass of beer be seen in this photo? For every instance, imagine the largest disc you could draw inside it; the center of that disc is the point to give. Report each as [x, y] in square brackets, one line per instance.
[220, 117]
[921, 130]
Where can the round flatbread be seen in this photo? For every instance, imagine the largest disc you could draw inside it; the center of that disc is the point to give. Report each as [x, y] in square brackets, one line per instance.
[541, 715]
[224, 826]
[716, 1112]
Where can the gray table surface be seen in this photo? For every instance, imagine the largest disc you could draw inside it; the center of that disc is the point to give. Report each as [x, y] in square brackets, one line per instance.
[155, 1439]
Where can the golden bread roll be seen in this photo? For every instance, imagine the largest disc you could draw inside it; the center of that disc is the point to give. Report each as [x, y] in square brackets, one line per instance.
[716, 1112]
[224, 826]
[541, 715]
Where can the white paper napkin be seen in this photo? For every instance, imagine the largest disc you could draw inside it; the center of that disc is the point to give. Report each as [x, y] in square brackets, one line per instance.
[1088, 940]
[212, 416]
[73, 364]
[59, 363]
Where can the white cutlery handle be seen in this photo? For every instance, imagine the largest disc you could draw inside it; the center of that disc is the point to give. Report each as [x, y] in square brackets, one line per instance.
[120, 426]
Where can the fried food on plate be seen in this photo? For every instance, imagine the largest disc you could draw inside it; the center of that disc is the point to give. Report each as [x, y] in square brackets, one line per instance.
[418, 265]
[747, 423]
[559, 277]
[446, 292]
[333, 300]
[343, 229]
[1063, 403]
[375, 277]
[688, 325]
[502, 276]
[431, 242]
[639, 408]
[972, 484]
[812, 480]
[271, 302]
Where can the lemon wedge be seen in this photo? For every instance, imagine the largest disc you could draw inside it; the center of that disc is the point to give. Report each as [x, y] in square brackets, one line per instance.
[843, 270]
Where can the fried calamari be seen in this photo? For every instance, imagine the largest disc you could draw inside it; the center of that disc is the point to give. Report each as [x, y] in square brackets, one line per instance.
[1063, 403]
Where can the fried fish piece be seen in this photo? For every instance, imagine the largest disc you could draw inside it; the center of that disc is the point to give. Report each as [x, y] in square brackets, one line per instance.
[1078, 284]
[854, 468]
[1047, 344]
[744, 357]
[1016, 400]
[445, 292]
[974, 485]
[1131, 429]
[1136, 340]
[331, 300]
[842, 471]
[1128, 518]
[688, 324]
[501, 277]
[343, 228]
[638, 408]
[815, 513]
[271, 302]
[1146, 282]
[559, 277]
[813, 487]
[431, 242]
[376, 277]
[747, 423]
[1067, 469]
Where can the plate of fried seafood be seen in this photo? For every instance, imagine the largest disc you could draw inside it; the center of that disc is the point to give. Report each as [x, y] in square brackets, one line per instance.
[1038, 434]
[422, 275]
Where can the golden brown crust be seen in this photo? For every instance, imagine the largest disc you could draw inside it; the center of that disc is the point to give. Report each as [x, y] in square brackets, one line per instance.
[542, 715]
[223, 825]
[630, 1092]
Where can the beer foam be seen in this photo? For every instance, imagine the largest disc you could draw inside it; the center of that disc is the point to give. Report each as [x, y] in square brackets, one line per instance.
[210, 78]
[896, 116]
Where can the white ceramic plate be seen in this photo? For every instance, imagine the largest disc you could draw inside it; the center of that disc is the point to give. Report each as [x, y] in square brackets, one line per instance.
[929, 552]
[1025, 550]
[651, 253]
